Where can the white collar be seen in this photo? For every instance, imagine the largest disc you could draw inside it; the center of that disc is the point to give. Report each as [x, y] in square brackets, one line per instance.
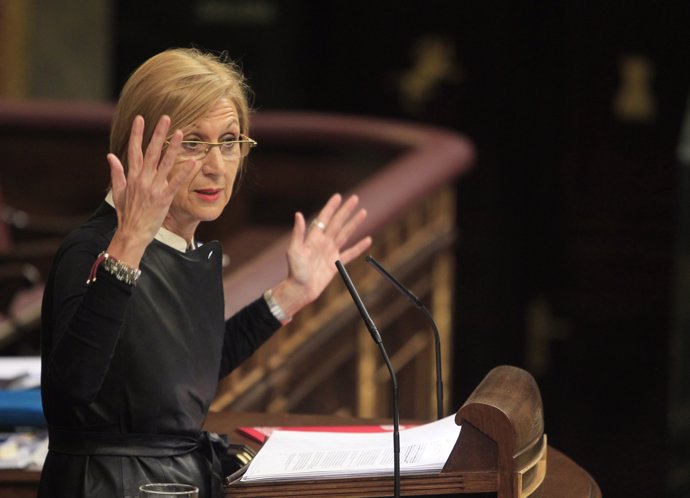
[164, 235]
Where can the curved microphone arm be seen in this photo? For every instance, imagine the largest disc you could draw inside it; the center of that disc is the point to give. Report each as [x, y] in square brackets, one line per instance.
[437, 336]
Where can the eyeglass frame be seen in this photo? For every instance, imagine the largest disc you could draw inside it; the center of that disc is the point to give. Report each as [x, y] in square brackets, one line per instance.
[244, 139]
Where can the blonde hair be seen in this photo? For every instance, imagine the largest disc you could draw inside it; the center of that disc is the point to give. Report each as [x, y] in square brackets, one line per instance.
[183, 83]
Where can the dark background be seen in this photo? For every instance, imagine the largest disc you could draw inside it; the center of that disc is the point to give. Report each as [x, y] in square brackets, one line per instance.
[570, 216]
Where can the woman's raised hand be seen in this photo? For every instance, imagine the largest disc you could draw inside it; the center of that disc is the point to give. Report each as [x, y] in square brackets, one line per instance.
[313, 251]
[143, 194]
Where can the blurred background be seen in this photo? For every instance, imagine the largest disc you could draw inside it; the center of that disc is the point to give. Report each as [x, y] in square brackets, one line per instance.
[573, 256]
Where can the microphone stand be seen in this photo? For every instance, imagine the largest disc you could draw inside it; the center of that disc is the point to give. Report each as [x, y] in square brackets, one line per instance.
[377, 339]
[417, 303]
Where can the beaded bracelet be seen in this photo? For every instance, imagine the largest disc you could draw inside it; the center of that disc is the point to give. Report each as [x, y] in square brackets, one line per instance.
[121, 271]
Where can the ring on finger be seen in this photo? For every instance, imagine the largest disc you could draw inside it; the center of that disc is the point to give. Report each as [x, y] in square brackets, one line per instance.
[318, 224]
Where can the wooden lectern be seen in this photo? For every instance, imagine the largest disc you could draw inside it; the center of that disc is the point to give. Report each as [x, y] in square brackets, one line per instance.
[501, 449]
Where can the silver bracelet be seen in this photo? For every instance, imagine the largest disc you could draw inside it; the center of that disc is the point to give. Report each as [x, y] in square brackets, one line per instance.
[121, 271]
[275, 308]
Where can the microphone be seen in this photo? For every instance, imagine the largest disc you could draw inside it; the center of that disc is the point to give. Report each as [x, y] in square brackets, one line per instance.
[417, 303]
[377, 339]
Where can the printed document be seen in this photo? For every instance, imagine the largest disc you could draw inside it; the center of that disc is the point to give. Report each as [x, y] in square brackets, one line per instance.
[295, 455]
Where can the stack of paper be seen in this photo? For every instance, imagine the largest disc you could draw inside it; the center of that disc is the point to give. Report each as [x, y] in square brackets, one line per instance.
[294, 455]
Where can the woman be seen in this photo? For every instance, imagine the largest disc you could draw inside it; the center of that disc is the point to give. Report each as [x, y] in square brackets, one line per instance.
[134, 336]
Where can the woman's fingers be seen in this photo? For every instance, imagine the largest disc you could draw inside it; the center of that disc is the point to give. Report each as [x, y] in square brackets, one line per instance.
[343, 235]
[338, 220]
[150, 169]
[147, 162]
[117, 172]
[355, 250]
[169, 158]
[135, 158]
[154, 150]
[341, 216]
[117, 178]
[298, 231]
[329, 209]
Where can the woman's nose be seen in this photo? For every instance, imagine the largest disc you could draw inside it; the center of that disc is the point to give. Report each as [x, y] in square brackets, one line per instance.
[213, 162]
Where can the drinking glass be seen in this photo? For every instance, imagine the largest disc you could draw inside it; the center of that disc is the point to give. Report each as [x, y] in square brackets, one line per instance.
[168, 490]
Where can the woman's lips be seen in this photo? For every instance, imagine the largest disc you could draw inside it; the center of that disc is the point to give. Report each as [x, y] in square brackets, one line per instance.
[208, 194]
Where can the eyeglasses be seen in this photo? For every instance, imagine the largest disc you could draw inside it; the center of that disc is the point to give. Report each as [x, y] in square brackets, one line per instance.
[231, 150]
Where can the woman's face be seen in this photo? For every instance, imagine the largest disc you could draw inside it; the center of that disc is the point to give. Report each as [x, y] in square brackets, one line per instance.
[204, 197]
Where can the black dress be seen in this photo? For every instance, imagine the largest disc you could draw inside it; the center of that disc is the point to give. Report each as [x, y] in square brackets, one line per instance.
[128, 373]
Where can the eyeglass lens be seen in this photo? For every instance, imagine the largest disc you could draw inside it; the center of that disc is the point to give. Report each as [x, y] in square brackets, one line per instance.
[229, 150]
